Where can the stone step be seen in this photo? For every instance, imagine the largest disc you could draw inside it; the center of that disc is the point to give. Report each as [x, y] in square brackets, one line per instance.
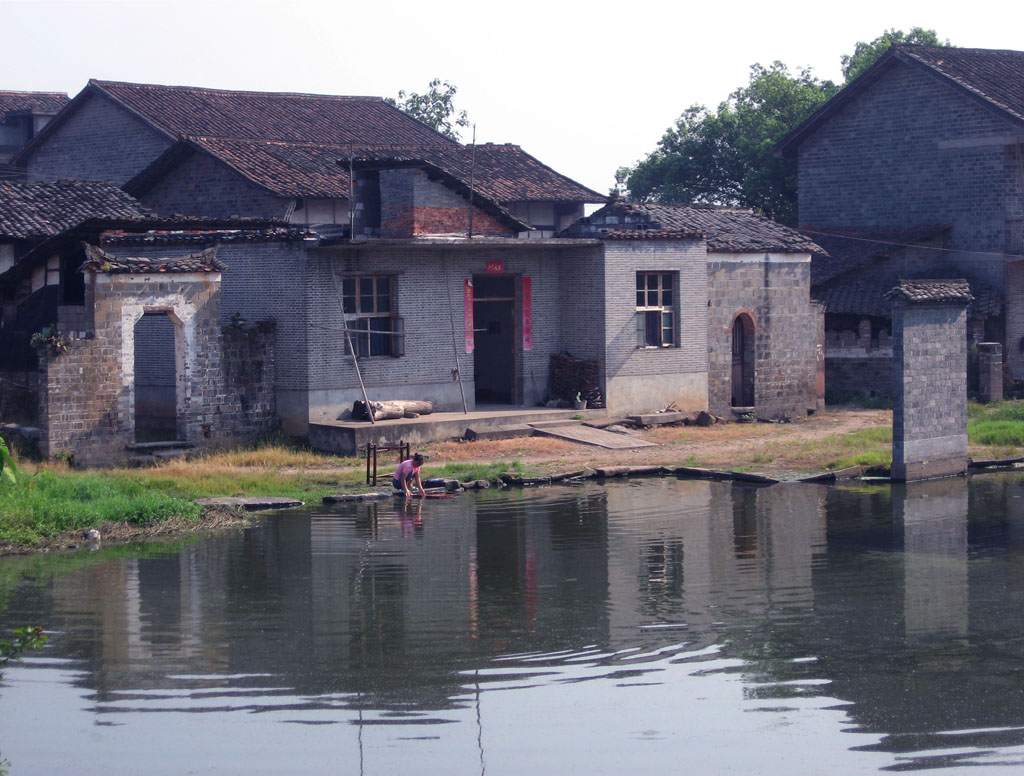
[511, 431]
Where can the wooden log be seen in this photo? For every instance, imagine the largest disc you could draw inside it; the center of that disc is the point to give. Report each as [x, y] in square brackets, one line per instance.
[390, 410]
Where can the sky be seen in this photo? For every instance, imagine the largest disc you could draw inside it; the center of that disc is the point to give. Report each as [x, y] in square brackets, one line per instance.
[584, 87]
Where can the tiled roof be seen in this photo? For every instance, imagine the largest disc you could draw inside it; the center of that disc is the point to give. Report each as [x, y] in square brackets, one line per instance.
[728, 230]
[200, 236]
[42, 209]
[866, 296]
[298, 118]
[502, 173]
[37, 102]
[847, 250]
[931, 291]
[98, 260]
[995, 77]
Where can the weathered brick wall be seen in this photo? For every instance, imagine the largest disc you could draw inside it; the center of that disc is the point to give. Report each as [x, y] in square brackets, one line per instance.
[930, 386]
[264, 282]
[900, 155]
[85, 408]
[100, 141]
[774, 290]
[249, 409]
[644, 379]
[202, 186]
[411, 204]
[88, 400]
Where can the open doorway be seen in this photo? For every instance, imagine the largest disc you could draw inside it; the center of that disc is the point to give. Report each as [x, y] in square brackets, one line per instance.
[494, 353]
[156, 401]
[743, 361]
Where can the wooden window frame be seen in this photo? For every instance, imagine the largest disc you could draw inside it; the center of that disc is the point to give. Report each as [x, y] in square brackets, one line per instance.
[370, 315]
[656, 294]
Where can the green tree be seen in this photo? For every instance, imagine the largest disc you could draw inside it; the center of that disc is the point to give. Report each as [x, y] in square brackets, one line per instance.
[724, 157]
[866, 54]
[435, 108]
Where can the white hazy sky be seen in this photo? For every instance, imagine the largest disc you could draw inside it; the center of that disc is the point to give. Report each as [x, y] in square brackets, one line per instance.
[584, 87]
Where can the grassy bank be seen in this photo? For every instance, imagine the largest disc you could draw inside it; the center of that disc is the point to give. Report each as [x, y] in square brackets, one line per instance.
[46, 502]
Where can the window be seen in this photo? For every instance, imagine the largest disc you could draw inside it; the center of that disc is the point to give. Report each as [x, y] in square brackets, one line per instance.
[655, 311]
[378, 332]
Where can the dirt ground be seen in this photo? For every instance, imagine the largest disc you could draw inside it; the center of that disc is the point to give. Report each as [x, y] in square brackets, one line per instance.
[768, 448]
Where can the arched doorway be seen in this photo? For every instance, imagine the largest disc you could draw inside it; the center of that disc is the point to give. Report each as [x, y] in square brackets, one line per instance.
[156, 401]
[743, 361]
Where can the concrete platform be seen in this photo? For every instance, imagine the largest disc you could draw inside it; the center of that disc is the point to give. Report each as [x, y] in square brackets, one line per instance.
[346, 437]
[592, 436]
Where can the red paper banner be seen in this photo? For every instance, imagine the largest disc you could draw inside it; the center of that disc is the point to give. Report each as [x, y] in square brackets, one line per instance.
[467, 295]
[527, 315]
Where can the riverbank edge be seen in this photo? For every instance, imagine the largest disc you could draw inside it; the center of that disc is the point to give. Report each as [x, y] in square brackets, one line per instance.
[215, 518]
[876, 475]
[229, 513]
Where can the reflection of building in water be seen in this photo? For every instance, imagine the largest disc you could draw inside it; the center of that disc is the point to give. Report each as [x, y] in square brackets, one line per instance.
[722, 552]
[150, 615]
[934, 519]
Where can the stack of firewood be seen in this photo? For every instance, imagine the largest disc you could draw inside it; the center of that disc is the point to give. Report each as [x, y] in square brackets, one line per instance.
[570, 376]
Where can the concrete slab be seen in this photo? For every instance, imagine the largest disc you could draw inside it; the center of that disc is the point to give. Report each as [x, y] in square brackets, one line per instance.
[511, 431]
[659, 418]
[350, 437]
[594, 436]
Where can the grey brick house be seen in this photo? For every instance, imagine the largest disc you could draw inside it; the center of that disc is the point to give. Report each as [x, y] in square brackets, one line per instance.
[342, 227]
[916, 169]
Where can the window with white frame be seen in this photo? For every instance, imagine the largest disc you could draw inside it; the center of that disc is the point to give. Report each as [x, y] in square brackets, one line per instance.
[368, 304]
[655, 309]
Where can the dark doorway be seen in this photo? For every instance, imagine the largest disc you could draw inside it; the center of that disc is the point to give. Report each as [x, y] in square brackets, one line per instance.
[494, 324]
[156, 405]
[743, 362]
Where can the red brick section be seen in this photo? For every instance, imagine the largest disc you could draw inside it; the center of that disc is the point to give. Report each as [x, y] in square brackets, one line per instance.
[402, 222]
[455, 220]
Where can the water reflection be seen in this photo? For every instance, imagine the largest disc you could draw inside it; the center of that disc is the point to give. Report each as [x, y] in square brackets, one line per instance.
[622, 625]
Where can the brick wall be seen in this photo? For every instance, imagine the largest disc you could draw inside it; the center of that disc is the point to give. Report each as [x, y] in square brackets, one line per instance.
[878, 163]
[774, 290]
[425, 278]
[100, 141]
[203, 186]
[644, 379]
[868, 376]
[87, 397]
[412, 204]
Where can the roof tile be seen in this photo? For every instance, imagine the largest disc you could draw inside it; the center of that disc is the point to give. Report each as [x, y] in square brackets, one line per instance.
[42, 209]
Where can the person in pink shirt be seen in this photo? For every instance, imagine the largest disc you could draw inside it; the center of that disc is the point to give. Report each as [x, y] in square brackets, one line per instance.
[408, 471]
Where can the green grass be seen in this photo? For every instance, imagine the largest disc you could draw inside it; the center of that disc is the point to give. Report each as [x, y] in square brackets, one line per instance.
[465, 472]
[43, 505]
[996, 425]
[866, 447]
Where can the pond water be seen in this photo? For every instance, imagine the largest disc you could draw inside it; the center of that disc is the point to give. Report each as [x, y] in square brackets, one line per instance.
[656, 625]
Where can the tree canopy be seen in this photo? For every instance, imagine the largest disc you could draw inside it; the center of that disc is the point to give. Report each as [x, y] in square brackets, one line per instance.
[725, 156]
[435, 108]
[866, 54]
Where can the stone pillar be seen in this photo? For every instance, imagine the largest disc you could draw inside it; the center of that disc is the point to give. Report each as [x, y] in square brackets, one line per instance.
[929, 421]
[990, 371]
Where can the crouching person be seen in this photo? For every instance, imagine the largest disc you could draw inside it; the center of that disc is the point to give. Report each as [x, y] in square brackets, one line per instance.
[408, 473]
